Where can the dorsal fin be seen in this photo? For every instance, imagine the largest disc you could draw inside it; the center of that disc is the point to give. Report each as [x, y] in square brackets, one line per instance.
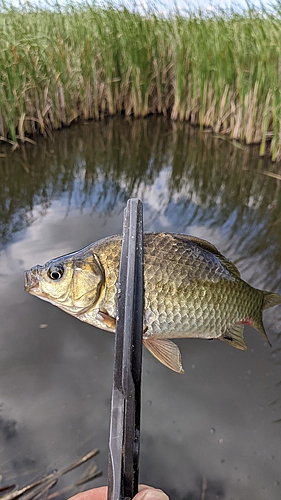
[212, 249]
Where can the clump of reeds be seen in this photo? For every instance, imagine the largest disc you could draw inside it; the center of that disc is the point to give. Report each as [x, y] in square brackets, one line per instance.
[220, 70]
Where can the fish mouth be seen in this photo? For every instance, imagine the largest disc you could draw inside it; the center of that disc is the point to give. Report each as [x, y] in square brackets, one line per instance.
[31, 280]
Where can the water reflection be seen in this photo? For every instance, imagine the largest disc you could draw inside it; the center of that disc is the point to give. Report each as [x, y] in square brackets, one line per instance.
[218, 426]
[200, 180]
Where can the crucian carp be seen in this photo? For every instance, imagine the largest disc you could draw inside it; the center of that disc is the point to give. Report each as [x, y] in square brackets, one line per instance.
[190, 290]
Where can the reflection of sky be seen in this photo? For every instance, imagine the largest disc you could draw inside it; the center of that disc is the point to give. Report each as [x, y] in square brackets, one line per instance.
[179, 211]
[165, 209]
[219, 421]
[99, 197]
[215, 422]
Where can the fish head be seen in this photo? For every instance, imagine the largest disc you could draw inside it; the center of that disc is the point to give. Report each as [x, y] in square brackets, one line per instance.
[73, 282]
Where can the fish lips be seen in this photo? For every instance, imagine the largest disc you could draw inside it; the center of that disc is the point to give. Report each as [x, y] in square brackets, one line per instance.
[32, 280]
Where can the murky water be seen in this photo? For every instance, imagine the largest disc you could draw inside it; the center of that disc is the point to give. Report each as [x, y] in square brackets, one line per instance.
[217, 425]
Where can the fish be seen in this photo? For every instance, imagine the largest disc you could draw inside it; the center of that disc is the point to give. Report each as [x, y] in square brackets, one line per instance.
[191, 290]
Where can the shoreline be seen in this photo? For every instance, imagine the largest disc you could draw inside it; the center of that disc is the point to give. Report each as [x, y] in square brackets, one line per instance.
[218, 71]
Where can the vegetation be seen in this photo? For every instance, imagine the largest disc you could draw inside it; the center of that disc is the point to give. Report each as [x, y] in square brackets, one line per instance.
[218, 70]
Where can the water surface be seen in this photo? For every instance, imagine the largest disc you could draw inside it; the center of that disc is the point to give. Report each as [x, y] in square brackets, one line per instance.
[220, 423]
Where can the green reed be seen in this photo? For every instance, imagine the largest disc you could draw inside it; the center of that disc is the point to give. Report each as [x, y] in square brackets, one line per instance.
[218, 70]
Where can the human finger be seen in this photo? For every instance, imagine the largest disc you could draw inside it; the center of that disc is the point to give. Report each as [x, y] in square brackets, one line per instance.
[149, 493]
[94, 494]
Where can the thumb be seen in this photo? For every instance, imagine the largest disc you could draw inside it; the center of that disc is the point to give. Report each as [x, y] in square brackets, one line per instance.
[149, 493]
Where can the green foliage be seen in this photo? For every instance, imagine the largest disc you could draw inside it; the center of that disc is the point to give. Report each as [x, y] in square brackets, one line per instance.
[219, 70]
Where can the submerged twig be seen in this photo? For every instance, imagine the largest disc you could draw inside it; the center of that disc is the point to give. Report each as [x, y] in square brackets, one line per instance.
[203, 488]
[39, 489]
[6, 488]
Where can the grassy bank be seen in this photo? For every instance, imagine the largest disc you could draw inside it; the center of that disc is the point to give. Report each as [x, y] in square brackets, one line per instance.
[220, 71]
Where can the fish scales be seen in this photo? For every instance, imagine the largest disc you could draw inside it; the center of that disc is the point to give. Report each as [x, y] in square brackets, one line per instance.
[180, 298]
[190, 290]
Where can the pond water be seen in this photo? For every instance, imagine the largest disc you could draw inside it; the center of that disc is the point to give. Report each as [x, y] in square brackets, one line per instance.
[219, 424]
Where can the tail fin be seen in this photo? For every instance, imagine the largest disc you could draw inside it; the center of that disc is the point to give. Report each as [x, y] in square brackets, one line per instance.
[260, 328]
[270, 299]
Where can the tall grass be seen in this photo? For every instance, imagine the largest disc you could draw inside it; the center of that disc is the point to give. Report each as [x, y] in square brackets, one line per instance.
[219, 70]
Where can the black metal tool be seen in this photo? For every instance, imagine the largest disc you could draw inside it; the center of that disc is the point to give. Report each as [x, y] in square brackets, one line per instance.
[126, 392]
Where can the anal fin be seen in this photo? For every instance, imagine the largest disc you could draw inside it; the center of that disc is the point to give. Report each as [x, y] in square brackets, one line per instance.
[166, 352]
[234, 336]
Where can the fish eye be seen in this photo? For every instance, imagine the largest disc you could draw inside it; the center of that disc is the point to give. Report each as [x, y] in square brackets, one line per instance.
[56, 272]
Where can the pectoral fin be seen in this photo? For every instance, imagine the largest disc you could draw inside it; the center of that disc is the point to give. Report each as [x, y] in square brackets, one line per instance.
[108, 320]
[234, 336]
[166, 352]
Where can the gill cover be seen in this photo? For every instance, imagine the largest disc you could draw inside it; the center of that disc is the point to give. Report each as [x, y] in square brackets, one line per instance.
[88, 281]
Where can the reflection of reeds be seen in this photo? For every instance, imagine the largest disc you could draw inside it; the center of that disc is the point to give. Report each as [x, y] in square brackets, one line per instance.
[210, 182]
[220, 71]
[39, 490]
